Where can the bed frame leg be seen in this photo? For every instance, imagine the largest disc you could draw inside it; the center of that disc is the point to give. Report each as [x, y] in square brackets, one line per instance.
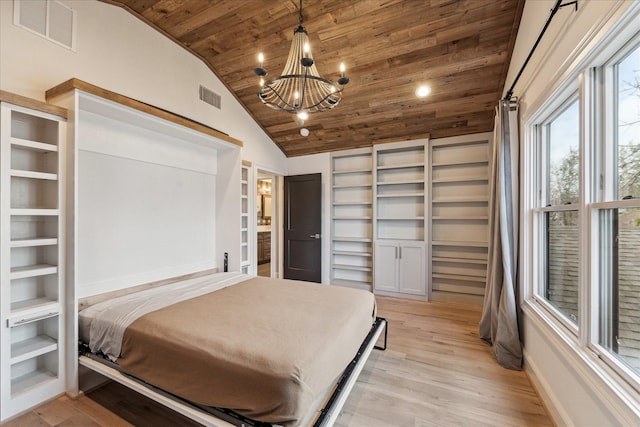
[386, 329]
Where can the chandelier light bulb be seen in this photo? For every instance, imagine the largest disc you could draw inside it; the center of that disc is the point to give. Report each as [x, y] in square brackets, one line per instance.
[261, 82]
[342, 69]
[260, 58]
[306, 48]
[302, 115]
[296, 95]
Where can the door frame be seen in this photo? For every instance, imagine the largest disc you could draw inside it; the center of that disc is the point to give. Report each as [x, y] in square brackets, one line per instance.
[277, 206]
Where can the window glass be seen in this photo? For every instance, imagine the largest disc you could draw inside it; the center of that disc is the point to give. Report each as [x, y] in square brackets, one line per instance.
[628, 126]
[620, 294]
[564, 157]
[561, 179]
[562, 262]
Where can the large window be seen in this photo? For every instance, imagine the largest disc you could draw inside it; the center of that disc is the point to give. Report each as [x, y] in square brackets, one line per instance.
[585, 201]
[619, 212]
[559, 207]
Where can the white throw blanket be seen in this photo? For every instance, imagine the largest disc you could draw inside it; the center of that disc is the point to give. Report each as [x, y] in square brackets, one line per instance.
[108, 320]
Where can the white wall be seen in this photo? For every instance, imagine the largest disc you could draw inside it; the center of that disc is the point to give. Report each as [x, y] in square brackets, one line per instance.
[574, 393]
[120, 53]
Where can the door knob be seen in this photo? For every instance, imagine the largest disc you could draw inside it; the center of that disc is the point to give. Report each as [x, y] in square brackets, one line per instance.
[315, 236]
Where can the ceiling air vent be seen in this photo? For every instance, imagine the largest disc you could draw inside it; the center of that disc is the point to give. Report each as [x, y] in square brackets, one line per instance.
[50, 19]
[61, 24]
[210, 97]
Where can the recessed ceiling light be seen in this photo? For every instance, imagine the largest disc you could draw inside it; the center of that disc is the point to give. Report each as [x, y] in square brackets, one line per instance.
[423, 91]
[304, 132]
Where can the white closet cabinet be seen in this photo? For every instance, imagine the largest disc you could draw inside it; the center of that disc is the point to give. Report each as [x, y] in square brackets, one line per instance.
[400, 267]
[399, 217]
[32, 255]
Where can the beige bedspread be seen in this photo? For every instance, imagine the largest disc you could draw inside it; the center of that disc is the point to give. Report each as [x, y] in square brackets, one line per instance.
[265, 348]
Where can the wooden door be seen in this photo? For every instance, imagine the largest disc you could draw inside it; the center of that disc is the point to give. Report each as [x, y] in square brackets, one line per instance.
[302, 227]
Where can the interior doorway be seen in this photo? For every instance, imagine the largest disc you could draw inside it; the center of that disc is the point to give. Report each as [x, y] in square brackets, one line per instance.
[266, 220]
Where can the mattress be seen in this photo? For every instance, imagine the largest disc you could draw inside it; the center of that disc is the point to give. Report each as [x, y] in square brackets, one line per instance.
[264, 348]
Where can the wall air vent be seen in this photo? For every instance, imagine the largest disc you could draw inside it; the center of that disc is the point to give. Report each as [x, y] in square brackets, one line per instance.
[50, 19]
[210, 97]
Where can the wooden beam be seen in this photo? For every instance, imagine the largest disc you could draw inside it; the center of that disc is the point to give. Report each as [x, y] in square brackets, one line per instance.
[23, 101]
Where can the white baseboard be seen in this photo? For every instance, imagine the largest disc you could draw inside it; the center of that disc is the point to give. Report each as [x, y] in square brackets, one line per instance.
[558, 415]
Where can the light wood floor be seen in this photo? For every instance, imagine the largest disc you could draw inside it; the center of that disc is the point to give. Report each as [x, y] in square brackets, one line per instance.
[435, 372]
[264, 270]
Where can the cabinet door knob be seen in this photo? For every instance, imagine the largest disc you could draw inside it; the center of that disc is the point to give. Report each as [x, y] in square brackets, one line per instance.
[315, 236]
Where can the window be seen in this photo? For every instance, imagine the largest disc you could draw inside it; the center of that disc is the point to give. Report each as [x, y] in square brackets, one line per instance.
[626, 75]
[585, 206]
[619, 213]
[559, 145]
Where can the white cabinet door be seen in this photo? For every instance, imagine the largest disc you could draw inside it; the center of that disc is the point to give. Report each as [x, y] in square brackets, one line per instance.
[411, 270]
[386, 267]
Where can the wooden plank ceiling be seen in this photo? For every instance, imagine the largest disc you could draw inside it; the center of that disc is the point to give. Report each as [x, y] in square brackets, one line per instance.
[461, 48]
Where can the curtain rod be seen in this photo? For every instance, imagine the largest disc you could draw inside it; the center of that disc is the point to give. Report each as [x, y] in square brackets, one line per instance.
[555, 9]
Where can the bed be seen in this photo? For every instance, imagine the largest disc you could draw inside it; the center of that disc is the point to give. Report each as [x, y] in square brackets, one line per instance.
[255, 349]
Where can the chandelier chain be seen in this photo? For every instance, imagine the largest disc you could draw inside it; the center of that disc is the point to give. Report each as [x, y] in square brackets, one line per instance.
[300, 14]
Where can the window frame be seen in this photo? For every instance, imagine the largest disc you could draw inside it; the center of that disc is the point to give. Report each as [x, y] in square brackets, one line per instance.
[608, 196]
[563, 99]
[593, 72]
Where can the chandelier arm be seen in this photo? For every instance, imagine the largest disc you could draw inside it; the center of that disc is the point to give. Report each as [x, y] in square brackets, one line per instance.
[329, 104]
[327, 94]
[270, 92]
[277, 90]
[280, 97]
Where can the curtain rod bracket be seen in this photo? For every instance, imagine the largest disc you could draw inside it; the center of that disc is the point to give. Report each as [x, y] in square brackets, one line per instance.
[574, 2]
[555, 9]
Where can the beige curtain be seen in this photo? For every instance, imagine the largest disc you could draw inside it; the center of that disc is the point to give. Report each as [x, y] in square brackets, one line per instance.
[499, 322]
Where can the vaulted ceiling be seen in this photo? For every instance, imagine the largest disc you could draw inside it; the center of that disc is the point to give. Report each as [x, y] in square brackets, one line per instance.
[460, 48]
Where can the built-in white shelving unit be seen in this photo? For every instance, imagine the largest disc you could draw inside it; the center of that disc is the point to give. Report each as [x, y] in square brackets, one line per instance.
[351, 218]
[245, 253]
[399, 224]
[32, 257]
[459, 208]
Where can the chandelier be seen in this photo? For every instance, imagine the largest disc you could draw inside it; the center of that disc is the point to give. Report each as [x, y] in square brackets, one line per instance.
[300, 89]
